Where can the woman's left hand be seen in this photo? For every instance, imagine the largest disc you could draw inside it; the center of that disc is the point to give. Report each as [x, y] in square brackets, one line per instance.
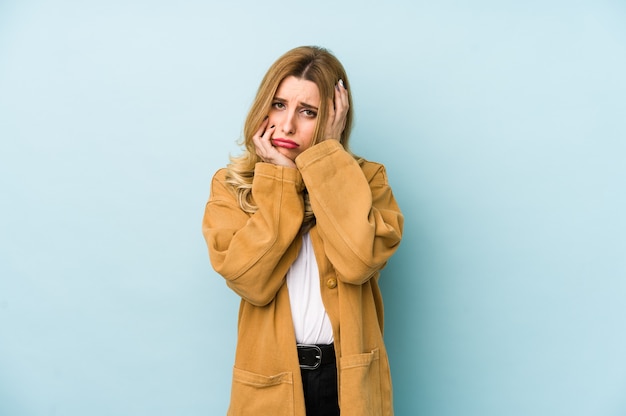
[337, 113]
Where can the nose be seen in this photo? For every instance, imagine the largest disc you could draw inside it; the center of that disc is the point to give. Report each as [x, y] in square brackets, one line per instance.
[289, 123]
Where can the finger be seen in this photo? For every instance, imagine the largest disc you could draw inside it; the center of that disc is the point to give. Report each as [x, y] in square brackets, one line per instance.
[344, 108]
[341, 102]
[264, 147]
[258, 140]
[262, 127]
[331, 108]
[333, 128]
[342, 97]
[332, 114]
[267, 134]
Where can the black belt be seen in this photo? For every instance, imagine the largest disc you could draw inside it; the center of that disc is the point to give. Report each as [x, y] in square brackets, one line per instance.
[311, 356]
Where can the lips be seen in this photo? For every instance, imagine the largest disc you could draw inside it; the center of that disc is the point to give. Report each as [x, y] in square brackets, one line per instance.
[287, 144]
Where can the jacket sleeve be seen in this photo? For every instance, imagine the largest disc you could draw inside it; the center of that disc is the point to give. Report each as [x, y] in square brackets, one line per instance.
[356, 212]
[246, 248]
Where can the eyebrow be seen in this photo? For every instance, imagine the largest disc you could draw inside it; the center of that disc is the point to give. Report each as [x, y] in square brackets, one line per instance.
[301, 104]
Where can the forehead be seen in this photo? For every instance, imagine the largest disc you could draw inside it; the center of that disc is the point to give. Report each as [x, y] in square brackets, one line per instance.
[300, 90]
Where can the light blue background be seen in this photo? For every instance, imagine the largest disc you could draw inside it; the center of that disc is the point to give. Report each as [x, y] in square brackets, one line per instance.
[502, 126]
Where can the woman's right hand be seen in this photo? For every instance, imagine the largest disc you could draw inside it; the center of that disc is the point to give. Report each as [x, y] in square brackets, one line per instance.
[264, 148]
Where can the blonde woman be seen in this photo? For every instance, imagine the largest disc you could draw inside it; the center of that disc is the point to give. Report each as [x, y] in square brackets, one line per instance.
[299, 228]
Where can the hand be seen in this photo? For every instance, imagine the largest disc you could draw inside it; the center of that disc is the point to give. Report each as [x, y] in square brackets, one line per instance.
[264, 148]
[337, 112]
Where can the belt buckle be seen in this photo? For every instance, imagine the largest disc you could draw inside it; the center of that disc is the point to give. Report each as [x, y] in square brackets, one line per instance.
[318, 356]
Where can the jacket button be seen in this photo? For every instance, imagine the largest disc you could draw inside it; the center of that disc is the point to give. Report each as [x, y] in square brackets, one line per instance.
[331, 283]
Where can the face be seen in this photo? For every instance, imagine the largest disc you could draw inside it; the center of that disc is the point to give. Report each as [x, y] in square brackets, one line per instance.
[294, 113]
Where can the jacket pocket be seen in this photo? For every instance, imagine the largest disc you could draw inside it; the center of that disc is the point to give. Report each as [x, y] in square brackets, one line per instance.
[256, 394]
[360, 384]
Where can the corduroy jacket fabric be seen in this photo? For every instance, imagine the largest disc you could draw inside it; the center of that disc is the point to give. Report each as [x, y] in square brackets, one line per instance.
[358, 227]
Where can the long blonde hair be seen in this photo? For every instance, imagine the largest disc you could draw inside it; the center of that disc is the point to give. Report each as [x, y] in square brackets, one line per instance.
[310, 63]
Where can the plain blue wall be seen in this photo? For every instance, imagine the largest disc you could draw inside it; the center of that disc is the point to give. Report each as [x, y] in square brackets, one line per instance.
[502, 125]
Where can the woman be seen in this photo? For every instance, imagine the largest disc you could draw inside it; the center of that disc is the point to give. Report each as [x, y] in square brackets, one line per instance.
[300, 227]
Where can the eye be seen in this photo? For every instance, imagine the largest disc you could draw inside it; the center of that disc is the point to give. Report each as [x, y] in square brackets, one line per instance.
[309, 113]
[278, 105]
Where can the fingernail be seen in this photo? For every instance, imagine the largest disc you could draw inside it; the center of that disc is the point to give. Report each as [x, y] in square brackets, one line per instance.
[341, 83]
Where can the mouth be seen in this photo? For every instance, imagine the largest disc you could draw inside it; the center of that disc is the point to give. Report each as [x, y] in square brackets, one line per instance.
[287, 144]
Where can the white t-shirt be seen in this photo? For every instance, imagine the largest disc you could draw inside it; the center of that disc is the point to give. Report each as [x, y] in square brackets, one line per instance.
[309, 316]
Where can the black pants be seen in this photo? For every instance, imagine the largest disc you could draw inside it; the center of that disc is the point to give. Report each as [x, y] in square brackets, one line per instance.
[320, 390]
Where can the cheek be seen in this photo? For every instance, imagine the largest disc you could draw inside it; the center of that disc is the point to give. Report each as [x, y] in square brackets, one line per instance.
[272, 118]
[274, 114]
[309, 133]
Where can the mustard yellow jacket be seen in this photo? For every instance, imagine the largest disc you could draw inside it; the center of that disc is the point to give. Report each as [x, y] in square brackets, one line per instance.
[358, 227]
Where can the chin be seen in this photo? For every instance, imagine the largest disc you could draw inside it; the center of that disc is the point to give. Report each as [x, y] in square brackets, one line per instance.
[291, 155]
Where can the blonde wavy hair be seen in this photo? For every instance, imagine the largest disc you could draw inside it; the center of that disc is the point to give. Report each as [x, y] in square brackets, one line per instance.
[310, 63]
